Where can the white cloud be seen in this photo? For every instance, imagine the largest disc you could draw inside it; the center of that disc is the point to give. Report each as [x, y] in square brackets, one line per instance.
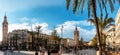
[12, 27]
[32, 20]
[44, 27]
[83, 22]
[18, 26]
[87, 34]
[35, 22]
[69, 27]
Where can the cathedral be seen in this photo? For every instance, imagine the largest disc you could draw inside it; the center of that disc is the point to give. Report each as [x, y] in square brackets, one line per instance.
[5, 30]
[76, 36]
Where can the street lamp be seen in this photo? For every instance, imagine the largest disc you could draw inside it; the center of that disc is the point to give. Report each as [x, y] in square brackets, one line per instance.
[61, 39]
[68, 42]
[37, 45]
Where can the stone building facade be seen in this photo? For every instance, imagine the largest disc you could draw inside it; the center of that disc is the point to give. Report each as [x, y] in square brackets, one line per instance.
[117, 29]
[76, 36]
[24, 38]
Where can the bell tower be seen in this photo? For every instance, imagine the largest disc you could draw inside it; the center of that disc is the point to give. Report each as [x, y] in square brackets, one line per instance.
[5, 29]
[76, 36]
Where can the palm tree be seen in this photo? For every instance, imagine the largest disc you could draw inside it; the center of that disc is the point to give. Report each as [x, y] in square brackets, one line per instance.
[92, 5]
[102, 25]
[94, 40]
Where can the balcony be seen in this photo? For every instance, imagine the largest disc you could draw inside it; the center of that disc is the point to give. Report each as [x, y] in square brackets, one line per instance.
[117, 27]
[117, 34]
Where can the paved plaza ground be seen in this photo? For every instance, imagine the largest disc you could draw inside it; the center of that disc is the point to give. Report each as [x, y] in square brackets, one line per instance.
[80, 52]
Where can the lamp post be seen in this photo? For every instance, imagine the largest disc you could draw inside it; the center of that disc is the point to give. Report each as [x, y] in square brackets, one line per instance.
[68, 42]
[37, 45]
[61, 39]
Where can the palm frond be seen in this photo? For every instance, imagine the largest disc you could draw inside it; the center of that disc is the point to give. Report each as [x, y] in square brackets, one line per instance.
[113, 1]
[118, 1]
[92, 21]
[83, 3]
[103, 4]
[79, 3]
[89, 6]
[111, 5]
[106, 17]
[101, 15]
[99, 3]
[67, 4]
[108, 21]
[75, 4]
[111, 20]
[100, 21]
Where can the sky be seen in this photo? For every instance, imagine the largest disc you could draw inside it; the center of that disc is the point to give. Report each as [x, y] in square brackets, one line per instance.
[50, 14]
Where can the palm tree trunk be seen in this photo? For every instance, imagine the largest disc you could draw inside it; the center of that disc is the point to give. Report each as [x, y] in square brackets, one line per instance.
[101, 38]
[96, 22]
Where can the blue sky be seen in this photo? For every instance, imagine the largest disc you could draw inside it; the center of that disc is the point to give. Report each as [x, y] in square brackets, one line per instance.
[24, 14]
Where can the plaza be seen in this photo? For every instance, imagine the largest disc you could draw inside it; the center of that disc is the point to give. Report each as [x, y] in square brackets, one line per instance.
[60, 27]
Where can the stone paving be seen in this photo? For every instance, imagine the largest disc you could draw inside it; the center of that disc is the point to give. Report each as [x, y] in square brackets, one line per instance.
[12, 53]
[87, 52]
[26, 52]
[80, 52]
[15, 53]
[1, 52]
[68, 54]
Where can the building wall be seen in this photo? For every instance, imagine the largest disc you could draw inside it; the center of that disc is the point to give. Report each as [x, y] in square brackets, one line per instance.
[117, 28]
[24, 36]
[21, 36]
[41, 35]
[71, 42]
[110, 32]
[34, 35]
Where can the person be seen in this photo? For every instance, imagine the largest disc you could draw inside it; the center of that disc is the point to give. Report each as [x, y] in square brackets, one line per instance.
[36, 48]
[75, 50]
[45, 53]
[49, 52]
[19, 49]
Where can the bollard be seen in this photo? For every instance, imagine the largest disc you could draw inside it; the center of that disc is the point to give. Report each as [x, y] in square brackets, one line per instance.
[49, 53]
[36, 53]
